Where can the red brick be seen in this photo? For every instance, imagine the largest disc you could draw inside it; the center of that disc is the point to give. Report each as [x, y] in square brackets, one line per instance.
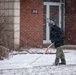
[70, 22]
[31, 27]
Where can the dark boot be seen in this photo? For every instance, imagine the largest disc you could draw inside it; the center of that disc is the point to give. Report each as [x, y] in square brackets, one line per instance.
[57, 61]
[63, 62]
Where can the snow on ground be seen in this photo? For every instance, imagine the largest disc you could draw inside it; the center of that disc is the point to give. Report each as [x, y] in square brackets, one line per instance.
[34, 62]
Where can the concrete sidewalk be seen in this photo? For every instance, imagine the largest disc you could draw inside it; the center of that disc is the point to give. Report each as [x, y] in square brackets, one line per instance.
[19, 63]
[45, 70]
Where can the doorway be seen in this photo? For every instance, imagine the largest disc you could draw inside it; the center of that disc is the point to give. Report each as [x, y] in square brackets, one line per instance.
[51, 11]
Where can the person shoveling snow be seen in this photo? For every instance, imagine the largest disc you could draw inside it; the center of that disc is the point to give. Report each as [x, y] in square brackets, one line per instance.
[57, 37]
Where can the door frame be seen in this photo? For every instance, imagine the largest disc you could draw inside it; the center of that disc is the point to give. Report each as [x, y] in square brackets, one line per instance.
[47, 16]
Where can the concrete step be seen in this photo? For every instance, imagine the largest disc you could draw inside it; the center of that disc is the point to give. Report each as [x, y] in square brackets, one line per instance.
[64, 47]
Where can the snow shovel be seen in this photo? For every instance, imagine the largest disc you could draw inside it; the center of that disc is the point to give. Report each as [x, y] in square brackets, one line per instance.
[43, 53]
[46, 51]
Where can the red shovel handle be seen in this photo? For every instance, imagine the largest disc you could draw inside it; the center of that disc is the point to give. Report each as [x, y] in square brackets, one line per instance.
[46, 50]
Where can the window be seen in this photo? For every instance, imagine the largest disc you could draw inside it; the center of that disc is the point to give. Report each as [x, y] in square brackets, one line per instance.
[51, 0]
[54, 1]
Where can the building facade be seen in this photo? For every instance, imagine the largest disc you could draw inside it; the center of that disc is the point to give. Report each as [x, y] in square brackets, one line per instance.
[25, 20]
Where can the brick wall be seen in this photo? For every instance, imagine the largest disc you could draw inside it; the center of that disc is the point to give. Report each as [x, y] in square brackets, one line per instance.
[70, 21]
[31, 26]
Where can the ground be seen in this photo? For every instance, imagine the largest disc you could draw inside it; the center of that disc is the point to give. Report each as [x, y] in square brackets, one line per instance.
[33, 62]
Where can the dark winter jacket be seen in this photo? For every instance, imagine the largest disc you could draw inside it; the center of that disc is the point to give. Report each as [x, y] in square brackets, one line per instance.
[56, 35]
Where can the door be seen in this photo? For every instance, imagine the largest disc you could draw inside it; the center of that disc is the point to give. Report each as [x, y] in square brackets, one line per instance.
[51, 11]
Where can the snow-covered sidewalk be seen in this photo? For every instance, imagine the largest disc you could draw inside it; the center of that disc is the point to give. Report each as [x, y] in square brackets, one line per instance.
[24, 63]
